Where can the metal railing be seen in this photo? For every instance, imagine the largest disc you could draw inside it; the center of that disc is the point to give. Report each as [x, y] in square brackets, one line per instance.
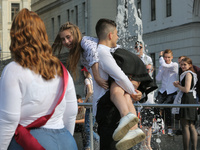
[136, 105]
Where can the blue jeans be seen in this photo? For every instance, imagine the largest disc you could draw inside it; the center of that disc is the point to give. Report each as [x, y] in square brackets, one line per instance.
[50, 139]
[87, 129]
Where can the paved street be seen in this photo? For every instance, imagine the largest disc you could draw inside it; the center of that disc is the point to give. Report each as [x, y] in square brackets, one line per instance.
[167, 142]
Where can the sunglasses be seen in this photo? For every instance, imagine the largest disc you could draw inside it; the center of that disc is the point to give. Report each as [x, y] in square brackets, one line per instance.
[136, 47]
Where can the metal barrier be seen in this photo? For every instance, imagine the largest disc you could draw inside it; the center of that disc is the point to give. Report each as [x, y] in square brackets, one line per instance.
[136, 105]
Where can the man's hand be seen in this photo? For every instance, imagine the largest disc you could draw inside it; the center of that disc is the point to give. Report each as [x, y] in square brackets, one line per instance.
[161, 53]
[101, 82]
[137, 96]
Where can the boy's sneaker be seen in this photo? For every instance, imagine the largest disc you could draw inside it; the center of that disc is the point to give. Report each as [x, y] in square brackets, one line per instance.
[132, 138]
[125, 124]
[170, 132]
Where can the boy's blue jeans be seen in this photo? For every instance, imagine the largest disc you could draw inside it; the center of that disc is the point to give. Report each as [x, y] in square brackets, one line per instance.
[87, 129]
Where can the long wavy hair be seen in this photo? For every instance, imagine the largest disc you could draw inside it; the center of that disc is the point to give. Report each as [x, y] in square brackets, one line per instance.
[75, 51]
[30, 46]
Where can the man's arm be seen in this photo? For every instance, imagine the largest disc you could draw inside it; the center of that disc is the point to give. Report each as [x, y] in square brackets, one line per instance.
[100, 81]
[159, 75]
[173, 66]
[110, 66]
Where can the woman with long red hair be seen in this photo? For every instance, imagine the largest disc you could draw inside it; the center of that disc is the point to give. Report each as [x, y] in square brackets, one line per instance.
[38, 104]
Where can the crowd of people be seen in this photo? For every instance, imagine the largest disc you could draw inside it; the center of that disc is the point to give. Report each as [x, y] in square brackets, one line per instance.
[39, 106]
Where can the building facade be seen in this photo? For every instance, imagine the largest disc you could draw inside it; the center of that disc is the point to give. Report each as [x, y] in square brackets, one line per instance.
[167, 24]
[172, 24]
[8, 9]
[83, 13]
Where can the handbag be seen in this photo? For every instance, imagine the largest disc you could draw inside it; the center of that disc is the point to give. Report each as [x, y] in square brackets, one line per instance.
[22, 134]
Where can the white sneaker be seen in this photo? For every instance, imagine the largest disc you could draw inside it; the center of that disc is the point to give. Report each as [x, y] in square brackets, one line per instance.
[170, 132]
[124, 126]
[132, 138]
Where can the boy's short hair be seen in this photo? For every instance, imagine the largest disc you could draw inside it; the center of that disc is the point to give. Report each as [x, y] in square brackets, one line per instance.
[104, 26]
[167, 51]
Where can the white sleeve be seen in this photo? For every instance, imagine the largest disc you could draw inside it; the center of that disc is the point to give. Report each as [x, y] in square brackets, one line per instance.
[90, 54]
[71, 110]
[172, 66]
[87, 81]
[110, 66]
[159, 75]
[10, 105]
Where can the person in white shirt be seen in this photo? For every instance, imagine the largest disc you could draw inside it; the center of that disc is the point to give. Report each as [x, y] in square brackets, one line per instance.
[88, 89]
[127, 132]
[139, 48]
[69, 35]
[167, 74]
[31, 86]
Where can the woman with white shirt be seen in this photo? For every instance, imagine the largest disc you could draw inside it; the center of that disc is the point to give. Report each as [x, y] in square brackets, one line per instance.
[33, 86]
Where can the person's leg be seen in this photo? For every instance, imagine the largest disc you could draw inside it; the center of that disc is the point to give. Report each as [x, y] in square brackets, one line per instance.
[149, 134]
[186, 133]
[87, 128]
[107, 118]
[159, 111]
[131, 107]
[118, 98]
[134, 135]
[147, 116]
[124, 104]
[193, 135]
[95, 135]
[168, 114]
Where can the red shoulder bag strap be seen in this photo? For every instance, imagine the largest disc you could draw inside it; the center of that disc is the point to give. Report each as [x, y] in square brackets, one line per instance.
[22, 134]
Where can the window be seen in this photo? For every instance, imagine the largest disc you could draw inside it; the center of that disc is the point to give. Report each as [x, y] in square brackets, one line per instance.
[59, 21]
[72, 16]
[52, 24]
[153, 10]
[139, 4]
[168, 8]
[83, 16]
[68, 15]
[139, 8]
[76, 9]
[14, 10]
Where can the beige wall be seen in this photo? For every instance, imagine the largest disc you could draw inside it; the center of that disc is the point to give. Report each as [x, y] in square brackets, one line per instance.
[6, 23]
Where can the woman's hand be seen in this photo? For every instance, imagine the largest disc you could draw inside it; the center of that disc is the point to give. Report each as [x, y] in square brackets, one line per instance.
[137, 96]
[176, 83]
